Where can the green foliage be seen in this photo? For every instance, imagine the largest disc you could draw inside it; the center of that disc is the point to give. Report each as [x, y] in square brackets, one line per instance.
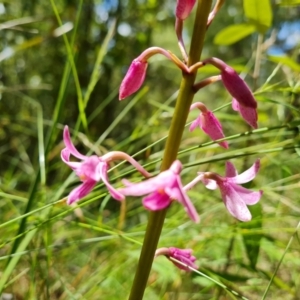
[234, 33]
[259, 13]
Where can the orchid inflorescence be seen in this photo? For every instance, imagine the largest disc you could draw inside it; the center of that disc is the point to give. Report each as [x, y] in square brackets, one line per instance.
[161, 190]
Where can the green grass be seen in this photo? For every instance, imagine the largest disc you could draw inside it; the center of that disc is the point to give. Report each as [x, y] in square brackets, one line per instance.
[49, 250]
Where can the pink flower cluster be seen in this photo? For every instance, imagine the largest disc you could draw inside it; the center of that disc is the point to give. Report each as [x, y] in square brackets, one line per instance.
[161, 190]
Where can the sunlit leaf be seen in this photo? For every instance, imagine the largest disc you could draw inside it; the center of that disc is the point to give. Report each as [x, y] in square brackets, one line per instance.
[259, 13]
[233, 34]
[287, 61]
[289, 2]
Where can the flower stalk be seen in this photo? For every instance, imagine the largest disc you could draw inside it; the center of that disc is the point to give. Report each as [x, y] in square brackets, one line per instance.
[184, 100]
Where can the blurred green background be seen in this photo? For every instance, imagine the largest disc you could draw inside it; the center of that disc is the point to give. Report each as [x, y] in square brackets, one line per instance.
[62, 62]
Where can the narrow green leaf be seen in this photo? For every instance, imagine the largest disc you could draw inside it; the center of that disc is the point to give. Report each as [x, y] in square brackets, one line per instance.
[289, 2]
[287, 61]
[259, 13]
[233, 34]
[252, 240]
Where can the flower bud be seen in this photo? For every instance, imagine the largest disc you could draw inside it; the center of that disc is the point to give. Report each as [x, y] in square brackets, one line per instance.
[237, 88]
[184, 8]
[249, 114]
[133, 79]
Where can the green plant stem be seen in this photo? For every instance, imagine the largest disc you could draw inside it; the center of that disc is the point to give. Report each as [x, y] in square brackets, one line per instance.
[184, 100]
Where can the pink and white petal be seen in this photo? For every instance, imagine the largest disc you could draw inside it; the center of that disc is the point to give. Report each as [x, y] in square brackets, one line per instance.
[179, 194]
[90, 168]
[248, 175]
[209, 183]
[150, 185]
[69, 145]
[230, 170]
[65, 155]
[234, 203]
[156, 201]
[248, 196]
[117, 195]
[196, 123]
[81, 191]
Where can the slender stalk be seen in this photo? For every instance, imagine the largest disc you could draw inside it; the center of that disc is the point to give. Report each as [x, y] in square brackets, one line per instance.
[184, 100]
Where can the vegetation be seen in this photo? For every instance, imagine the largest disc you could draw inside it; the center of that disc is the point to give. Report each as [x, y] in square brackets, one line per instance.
[62, 62]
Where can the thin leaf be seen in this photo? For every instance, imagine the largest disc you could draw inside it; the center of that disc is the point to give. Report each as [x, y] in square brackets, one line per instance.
[233, 34]
[252, 240]
[285, 60]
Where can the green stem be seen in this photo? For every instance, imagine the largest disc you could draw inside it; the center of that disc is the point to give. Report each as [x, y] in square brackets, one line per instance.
[184, 100]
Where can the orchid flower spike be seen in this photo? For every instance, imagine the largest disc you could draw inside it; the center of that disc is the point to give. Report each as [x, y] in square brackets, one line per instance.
[161, 190]
[92, 169]
[181, 258]
[249, 114]
[235, 197]
[234, 84]
[136, 73]
[208, 123]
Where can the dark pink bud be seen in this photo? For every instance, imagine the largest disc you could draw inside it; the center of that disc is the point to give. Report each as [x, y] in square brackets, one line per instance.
[184, 8]
[133, 79]
[249, 114]
[237, 87]
[234, 84]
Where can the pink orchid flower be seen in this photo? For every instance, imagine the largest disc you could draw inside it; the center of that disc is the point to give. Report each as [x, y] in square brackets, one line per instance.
[184, 8]
[208, 123]
[136, 73]
[92, 169]
[181, 258]
[234, 84]
[249, 114]
[235, 197]
[161, 190]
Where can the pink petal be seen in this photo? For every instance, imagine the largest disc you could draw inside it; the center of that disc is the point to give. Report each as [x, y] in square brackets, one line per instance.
[69, 145]
[148, 186]
[247, 175]
[81, 191]
[209, 183]
[196, 123]
[237, 87]
[212, 127]
[156, 201]
[230, 170]
[235, 105]
[234, 203]
[184, 8]
[179, 194]
[89, 168]
[65, 156]
[249, 114]
[103, 175]
[183, 255]
[248, 196]
[133, 79]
